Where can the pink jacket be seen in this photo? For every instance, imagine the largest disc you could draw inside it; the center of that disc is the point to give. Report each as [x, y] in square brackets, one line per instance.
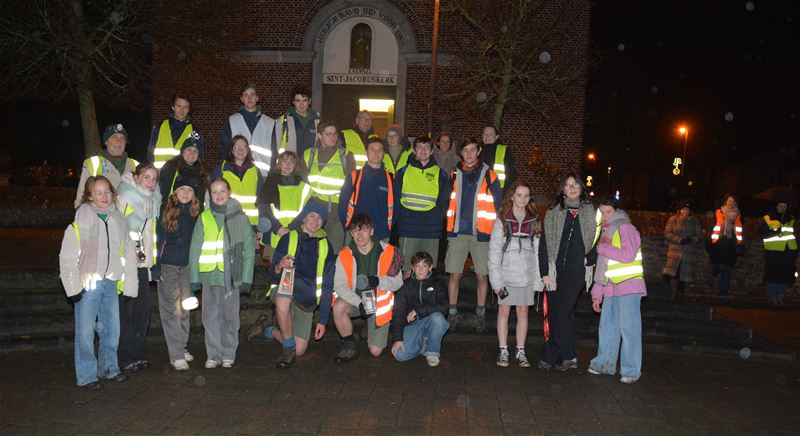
[631, 241]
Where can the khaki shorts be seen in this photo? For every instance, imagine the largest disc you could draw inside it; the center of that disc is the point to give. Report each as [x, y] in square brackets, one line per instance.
[410, 246]
[462, 245]
[302, 321]
[376, 336]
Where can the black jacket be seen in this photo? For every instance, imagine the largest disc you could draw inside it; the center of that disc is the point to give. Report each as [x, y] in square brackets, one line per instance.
[173, 247]
[425, 297]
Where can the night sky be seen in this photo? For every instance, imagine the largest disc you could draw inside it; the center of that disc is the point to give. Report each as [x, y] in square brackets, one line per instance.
[727, 69]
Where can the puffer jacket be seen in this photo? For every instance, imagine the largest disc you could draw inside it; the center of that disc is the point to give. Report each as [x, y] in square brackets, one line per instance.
[518, 265]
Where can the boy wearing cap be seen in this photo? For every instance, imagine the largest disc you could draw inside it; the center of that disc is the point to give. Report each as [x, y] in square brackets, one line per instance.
[312, 257]
[188, 164]
[113, 162]
[256, 127]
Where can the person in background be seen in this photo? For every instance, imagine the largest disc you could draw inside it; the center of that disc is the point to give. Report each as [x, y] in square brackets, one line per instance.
[96, 261]
[445, 153]
[498, 156]
[243, 177]
[296, 130]
[618, 290]
[682, 233]
[396, 148]
[355, 140]
[189, 165]
[780, 252]
[725, 244]
[112, 163]
[257, 128]
[167, 138]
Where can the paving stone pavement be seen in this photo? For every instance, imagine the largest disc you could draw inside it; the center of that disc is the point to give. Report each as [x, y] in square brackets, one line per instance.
[467, 394]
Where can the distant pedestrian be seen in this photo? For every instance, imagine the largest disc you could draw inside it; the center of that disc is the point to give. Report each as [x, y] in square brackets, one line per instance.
[140, 203]
[97, 260]
[619, 288]
[112, 163]
[514, 266]
[682, 233]
[780, 252]
[725, 244]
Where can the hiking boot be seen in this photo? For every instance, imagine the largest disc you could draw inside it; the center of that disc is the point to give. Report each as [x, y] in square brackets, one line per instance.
[287, 358]
[347, 353]
[502, 358]
[258, 327]
[180, 365]
[480, 324]
[566, 365]
[522, 361]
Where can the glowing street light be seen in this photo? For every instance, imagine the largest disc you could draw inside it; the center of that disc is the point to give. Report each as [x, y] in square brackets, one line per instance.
[683, 130]
[591, 156]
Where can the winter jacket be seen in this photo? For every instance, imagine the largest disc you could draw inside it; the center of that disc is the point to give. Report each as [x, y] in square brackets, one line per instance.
[345, 291]
[111, 238]
[173, 247]
[140, 210]
[305, 272]
[514, 261]
[630, 242]
[239, 249]
[372, 198]
[575, 258]
[423, 296]
[779, 266]
[104, 168]
[680, 257]
[421, 224]
[446, 160]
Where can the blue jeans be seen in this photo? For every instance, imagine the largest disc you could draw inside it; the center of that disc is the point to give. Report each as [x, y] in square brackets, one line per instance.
[423, 336]
[99, 308]
[620, 319]
[724, 272]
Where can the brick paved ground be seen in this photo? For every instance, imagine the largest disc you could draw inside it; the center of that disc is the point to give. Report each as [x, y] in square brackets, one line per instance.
[467, 394]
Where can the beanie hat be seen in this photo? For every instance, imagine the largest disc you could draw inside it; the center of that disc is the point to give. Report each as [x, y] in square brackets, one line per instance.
[316, 207]
[112, 130]
[188, 178]
[193, 140]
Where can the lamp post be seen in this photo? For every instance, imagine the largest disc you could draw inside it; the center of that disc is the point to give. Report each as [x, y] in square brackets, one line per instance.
[683, 130]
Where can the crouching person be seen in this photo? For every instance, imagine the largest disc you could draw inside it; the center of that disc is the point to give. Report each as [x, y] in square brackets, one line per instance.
[418, 318]
[312, 257]
[368, 272]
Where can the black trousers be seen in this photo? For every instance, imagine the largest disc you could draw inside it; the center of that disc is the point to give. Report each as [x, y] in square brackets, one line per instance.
[561, 317]
[134, 321]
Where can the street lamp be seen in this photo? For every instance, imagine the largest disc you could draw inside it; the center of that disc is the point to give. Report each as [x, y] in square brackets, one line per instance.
[683, 130]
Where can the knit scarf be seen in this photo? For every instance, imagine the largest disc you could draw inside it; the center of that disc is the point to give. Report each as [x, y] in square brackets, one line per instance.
[146, 204]
[729, 218]
[468, 169]
[237, 227]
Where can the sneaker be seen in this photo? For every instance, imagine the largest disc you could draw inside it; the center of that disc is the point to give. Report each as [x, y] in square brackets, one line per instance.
[131, 367]
[93, 386]
[502, 358]
[287, 358]
[628, 380]
[522, 361]
[121, 377]
[187, 356]
[180, 365]
[346, 354]
[432, 360]
[211, 363]
[567, 365]
[143, 364]
[480, 324]
[593, 371]
[227, 363]
[544, 366]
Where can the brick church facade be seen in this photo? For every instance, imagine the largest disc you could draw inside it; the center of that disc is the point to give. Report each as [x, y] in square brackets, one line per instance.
[279, 45]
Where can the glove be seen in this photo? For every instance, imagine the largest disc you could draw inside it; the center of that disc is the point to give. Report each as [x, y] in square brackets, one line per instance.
[127, 298]
[245, 289]
[686, 241]
[373, 281]
[77, 297]
[197, 288]
[361, 310]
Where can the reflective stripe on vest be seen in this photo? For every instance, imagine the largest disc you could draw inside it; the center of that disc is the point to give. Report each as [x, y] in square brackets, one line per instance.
[165, 149]
[322, 255]
[327, 183]
[355, 178]
[420, 188]
[618, 272]
[244, 190]
[260, 140]
[354, 144]
[401, 162]
[500, 164]
[717, 229]
[483, 212]
[384, 298]
[92, 285]
[212, 252]
[95, 165]
[784, 238]
[292, 199]
[598, 217]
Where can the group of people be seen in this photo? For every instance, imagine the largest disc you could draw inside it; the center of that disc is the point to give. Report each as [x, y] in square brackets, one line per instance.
[351, 224]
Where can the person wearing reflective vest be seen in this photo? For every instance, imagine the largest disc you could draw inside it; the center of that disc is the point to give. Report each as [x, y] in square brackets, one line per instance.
[112, 163]
[780, 252]
[221, 261]
[257, 128]
[369, 190]
[366, 264]
[141, 202]
[566, 256]
[96, 263]
[725, 244]
[311, 256]
[474, 200]
[498, 156]
[396, 149]
[422, 193]
[619, 288]
[167, 137]
[325, 166]
[185, 169]
[296, 130]
[243, 176]
[355, 139]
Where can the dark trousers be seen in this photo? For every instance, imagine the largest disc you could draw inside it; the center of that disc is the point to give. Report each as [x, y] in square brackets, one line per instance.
[134, 321]
[561, 317]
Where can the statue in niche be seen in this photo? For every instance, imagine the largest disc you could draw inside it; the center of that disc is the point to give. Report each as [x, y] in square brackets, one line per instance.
[360, 47]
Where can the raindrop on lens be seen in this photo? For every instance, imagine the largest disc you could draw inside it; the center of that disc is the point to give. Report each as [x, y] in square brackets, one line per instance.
[620, 47]
[463, 400]
[181, 56]
[503, 28]
[199, 381]
[65, 123]
[749, 6]
[544, 57]
[729, 116]
[744, 353]
[481, 97]
[654, 89]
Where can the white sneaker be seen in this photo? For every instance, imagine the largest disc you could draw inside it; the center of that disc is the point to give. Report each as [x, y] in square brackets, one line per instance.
[628, 380]
[180, 365]
[593, 371]
[187, 356]
[432, 360]
[227, 363]
[211, 363]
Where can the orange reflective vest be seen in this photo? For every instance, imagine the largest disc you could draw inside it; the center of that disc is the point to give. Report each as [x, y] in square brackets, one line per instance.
[355, 178]
[385, 299]
[483, 211]
[737, 227]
